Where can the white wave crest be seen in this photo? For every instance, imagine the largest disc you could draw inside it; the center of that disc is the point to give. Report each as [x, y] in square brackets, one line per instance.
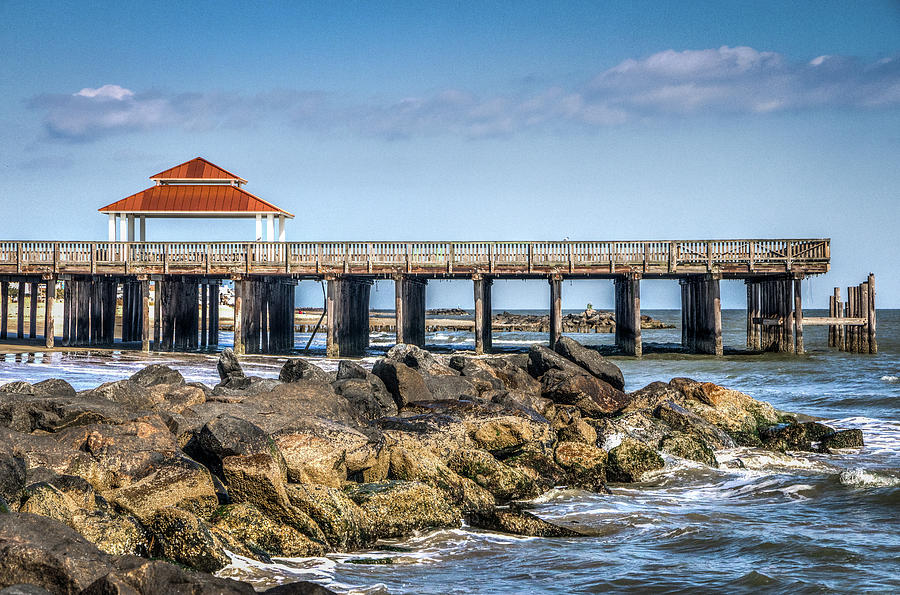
[861, 478]
[890, 379]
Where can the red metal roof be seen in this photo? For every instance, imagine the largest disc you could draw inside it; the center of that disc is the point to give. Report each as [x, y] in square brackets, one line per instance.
[193, 198]
[197, 169]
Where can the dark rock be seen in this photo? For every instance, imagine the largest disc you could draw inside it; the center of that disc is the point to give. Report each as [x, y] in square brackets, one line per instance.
[630, 460]
[299, 588]
[578, 431]
[13, 472]
[299, 369]
[843, 439]
[320, 451]
[520, 522]
[112, 533]
[54, 387]
[397, 508]
[180, 482]
[41, 551]
[591, 395]
[183, 538]
[226, 436]
[157, 374]
[504, 482]
[17, 387]
[418, 359]
[816, 431]
[138, 575]
[348, 369]
[27, 413]
[24, 590]
[228, 366]
[368, 395]
[537, 461]
[784, 437]
[405, 384]
[591, 361]
[689, 446]
[542, 359]
[525, 401]
[450, 388]
[47, 500]
[683, 420]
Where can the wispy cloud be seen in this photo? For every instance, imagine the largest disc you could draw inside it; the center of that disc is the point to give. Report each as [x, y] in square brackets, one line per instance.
[727, 80]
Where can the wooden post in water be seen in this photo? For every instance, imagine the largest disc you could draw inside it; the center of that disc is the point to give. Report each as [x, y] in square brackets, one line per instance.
[157, 309]
[398, 312]
[238, 317]
[20, 321]
[555, 309]
[4, 308]
[838, 313]
[49, 301]
[873, 343]
[32, 318]
[864, 314]
[331, 346]
[145, 315]
[213, 330]
[798, 315]
[204, 313]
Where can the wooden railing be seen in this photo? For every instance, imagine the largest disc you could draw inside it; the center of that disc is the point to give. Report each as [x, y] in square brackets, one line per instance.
[575, 257]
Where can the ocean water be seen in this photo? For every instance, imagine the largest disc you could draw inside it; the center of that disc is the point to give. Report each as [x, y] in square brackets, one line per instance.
[764, 522]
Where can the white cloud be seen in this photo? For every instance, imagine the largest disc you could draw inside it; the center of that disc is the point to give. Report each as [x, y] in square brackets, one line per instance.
[106, 92]
[690, 83]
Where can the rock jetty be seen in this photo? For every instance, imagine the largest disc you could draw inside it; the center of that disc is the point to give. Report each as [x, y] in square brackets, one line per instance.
[589, 321]
[145, 485]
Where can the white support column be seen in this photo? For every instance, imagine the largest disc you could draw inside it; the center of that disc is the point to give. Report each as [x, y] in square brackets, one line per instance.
[123, 227]
[112, 227]
[130, 228]
[270, 227]
[143, 236]
[281, 228]
[258, 227]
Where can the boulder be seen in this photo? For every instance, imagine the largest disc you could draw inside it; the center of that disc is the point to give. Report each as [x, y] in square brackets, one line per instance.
[679, 418]
[405, 384]
[450, 388]
[183, 538]
[27, 413]
[591, 361]
[179, 482]
[316, 450]
[537, 461]
[585, 465]
[630, 460]
[13, 472]
[639, 425]
[578, 431]
[369, 396]
[738, 414]
[155, 374]
[689, 446]
[53, 387]
[782, 437]
[46, 500]
[397, 508]
[41, 551]
[505, 483]
[418, 359]
[225, 436]
[520, 522]
[345, 525]
[248, 524]
[542, 359]
[18, 387]
[229, 367]
[842, 439]
[137, 575]
[298, 368]
[523, 400]
[349, 370]
[650, 397]
[591, 395]
[112, 533]
[411, 462]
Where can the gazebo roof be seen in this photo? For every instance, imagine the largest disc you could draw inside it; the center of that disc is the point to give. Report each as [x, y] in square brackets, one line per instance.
[195, 170]
[218, 194]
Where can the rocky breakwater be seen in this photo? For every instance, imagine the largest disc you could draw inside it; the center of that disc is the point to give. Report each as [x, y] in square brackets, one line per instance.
[146, 485]
[589, 321]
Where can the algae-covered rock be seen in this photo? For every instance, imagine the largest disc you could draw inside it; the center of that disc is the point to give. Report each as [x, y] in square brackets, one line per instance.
[182, 537]
[578, 431]
[592, 396]
[843, 439]
[398, 508]
[344, 523]
[630, 460]
[47, 500]
[13, 471]
[738, 414]
[248, 524]
[585, 465]
[505, 483]
[520, 522]
[537, 461]
[317, 450]
[112, 533]
[784, 437]
[179, 482]
[691, 447]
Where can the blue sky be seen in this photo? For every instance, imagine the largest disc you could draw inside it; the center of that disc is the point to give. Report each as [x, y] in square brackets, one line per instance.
[529, 120]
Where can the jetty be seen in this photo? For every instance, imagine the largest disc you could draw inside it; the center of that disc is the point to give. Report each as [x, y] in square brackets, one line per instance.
[183, 279]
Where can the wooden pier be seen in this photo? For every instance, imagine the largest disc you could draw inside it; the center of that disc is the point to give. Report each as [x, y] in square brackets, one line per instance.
[184, 278]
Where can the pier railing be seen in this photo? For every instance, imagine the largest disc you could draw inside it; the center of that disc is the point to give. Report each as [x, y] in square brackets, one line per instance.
[809, 256]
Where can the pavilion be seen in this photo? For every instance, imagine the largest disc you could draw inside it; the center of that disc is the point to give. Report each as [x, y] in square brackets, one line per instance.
[194, 189]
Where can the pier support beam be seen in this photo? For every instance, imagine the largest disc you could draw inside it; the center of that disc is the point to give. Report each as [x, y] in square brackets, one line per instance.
[4, 308]
[32, 314]
[409, 301]
[238, 316]
[555, 309]
[483, 326]
[212, 328]
[873, 343]
[49, 301]
[348, 316]
[772, 303]
[701, 330]
[20, 319]
[798, 315]
[628, 314]
[145, 313]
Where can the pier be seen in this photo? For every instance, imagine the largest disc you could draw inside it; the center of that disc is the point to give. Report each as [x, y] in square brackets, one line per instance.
[182, 279]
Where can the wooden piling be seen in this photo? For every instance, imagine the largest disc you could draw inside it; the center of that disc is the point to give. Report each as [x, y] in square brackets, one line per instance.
[20, 321]
[864, 314]
[145, 315]
[238, 317]
[32, 315]
[628, 314]
[49, 301]
[4, 308]
[873, 343]
[798, 316]
[483, 323]
[213, 329]
[555, 309]
[204, 313]
[157, 314]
